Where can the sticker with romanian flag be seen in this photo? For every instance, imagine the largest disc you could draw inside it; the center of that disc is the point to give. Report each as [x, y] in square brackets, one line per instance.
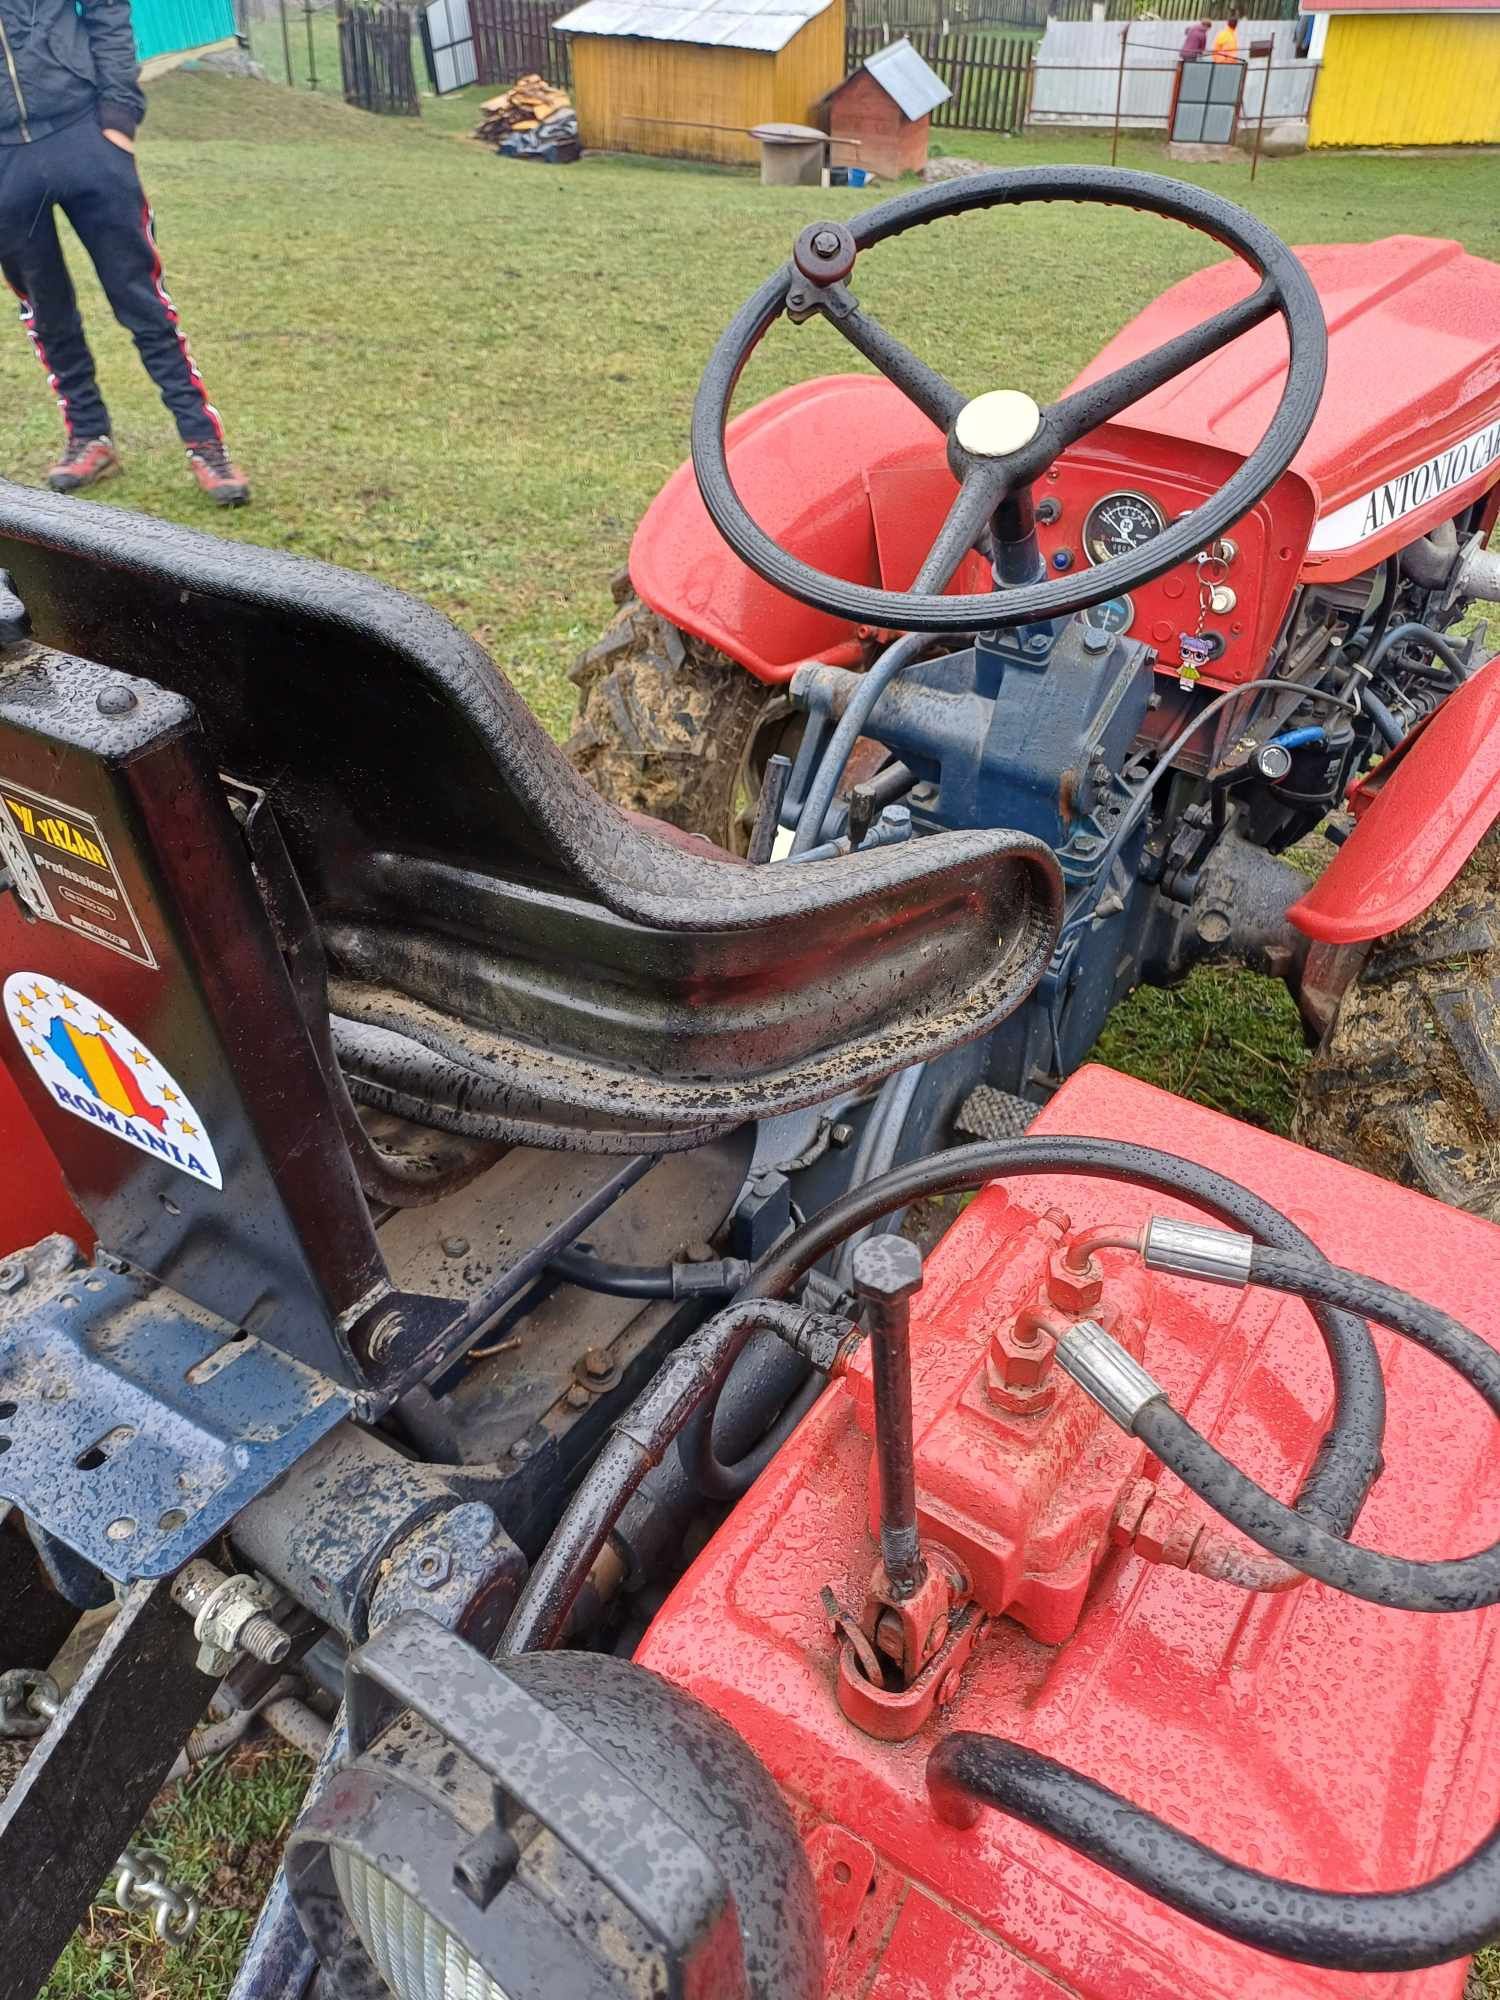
[93, 1067]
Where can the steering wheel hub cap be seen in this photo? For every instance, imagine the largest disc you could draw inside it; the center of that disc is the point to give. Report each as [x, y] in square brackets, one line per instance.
[995, 424]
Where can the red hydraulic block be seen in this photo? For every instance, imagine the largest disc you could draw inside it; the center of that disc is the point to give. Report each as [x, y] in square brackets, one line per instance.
[1305, 1733]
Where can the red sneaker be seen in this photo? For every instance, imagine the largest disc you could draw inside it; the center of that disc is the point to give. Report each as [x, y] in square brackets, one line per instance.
[85, 462]
[218, 475]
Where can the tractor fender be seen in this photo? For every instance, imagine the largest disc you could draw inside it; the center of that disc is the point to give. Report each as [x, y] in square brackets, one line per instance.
[1419, 817]
[802, 463]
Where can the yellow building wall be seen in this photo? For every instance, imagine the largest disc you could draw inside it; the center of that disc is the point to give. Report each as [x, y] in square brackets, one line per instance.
[627, 90]
[1408, 80]
[810, 65]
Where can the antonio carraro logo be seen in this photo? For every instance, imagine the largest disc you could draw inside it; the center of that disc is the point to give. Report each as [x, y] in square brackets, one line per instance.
[94, 1068]
[1435, 476]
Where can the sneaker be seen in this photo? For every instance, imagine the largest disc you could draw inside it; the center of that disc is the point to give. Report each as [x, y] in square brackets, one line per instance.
[85, 462]
[218, 475]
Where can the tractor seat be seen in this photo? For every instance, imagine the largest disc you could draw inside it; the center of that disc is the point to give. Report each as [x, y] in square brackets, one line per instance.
[510, 955]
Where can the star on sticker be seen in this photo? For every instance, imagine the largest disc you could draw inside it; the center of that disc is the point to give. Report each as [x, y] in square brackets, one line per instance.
[70, 1005]
[26, 1021]
[38, 992]
[171, 1097]
[188, 1131]
[36, 1051]
[104, 1027]
[140, 1059]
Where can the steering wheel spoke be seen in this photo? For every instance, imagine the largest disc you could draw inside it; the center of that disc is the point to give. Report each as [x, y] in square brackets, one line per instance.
[933, 394]
[984, 487]
[1076, 415]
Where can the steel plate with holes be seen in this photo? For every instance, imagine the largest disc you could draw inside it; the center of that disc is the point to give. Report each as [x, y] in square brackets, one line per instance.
[133, 1425]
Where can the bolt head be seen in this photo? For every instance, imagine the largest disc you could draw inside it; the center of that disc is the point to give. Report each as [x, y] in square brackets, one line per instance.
[455, 1246]
[116, 701]
[841, 1135]
[432, 1569]
[1071, 1291]
[597, 1364]
[12, 1275]
[887, 1269]
[826, 242]
[578, 1397]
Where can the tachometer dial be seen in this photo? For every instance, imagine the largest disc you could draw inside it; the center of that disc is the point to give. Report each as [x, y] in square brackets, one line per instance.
[1119, 524]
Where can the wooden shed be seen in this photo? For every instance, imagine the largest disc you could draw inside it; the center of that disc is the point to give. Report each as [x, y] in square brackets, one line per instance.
[689, 78]
[1405, 73]
[885, 108]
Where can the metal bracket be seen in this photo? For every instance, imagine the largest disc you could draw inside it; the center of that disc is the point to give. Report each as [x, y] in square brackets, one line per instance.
[138, 1425]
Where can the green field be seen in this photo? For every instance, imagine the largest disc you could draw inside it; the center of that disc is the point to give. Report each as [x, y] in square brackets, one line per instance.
[468, 376]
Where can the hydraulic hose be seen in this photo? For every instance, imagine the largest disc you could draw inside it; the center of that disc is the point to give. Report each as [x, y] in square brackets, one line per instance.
[1385, 1931]
[1370, 635]
[1348, 1461]
[831, 766]
[649, 1281]
[685, 1382]
[1346, 1466]
[1398, 635]
[878, 1144]
[1465, 1583]
[1386, 725]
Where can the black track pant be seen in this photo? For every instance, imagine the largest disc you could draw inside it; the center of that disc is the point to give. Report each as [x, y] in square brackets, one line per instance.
[95, 184]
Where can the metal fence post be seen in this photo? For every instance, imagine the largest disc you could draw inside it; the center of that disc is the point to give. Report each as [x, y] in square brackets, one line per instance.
[1114, 143]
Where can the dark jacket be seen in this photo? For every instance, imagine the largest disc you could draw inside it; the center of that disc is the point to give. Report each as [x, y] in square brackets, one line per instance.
[61, 62]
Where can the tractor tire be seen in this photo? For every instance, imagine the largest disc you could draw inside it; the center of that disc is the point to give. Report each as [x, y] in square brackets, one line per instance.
[668, 725]
[1406, 1082]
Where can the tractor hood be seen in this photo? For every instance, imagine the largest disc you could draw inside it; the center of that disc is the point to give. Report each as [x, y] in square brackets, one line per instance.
[849, 475]
[1409, 426]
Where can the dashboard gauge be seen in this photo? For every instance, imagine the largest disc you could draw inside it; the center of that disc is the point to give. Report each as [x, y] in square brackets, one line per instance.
[1119, 524]
[1115, 614]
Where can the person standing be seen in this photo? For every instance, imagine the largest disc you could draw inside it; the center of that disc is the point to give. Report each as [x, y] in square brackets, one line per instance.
[1194, 42]
[1227, 41]
[70, 103]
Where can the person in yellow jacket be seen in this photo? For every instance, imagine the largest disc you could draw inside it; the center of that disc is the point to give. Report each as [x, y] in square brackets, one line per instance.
[1227, 42]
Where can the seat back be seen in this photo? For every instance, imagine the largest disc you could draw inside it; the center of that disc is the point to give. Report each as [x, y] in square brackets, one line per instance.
[500, 937]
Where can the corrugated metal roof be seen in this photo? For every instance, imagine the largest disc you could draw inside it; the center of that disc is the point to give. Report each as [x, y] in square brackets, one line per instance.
[902, 75]
[733, 24]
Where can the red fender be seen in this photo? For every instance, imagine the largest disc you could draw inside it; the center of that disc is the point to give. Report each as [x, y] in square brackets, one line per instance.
[1419, 818]
[845, 471]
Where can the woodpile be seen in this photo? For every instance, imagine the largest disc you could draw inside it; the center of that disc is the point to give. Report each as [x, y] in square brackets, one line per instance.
[522, 108]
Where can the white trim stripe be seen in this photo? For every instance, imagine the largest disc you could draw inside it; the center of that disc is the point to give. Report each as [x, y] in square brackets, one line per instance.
[1360, 520]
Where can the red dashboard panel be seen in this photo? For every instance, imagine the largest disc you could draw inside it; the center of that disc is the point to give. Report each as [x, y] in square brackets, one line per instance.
[911, 491]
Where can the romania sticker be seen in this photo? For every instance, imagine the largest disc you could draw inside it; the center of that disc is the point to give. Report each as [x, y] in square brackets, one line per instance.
[96, 1069]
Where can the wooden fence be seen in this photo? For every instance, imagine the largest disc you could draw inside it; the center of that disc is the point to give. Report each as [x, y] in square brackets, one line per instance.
[514, 38]
[905, 17]
[375, 57]
[989, 75]
[1172, 10]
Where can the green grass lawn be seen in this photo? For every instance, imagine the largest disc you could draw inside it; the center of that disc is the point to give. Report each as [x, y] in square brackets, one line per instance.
[468, 376]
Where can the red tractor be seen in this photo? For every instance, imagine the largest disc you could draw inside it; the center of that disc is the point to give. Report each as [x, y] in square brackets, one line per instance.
[476, 1337]
[1364, 541]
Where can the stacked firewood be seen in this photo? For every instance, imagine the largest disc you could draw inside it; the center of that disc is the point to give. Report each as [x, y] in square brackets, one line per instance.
[522, 108]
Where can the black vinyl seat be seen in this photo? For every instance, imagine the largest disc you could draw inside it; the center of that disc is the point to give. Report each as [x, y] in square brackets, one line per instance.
[512, 956]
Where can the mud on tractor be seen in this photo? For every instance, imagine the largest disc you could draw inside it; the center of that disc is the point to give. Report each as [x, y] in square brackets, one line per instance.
[453, 1301]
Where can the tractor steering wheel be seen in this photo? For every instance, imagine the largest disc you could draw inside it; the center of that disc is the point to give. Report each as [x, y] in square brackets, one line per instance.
[1000, 442]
